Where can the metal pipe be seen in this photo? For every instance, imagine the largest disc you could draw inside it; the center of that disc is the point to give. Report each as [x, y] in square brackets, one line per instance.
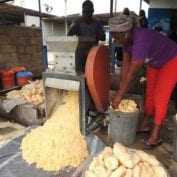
[40, 15]
[115, 6]
[111, 8]
[66, 25]
[140, 5]
[110, 39]
[111, 15]
[44, 57]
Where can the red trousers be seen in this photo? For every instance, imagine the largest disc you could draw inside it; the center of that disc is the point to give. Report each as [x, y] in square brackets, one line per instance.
[160, 84]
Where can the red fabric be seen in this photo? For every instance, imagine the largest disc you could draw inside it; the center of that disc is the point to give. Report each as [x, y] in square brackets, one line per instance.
[160, 84]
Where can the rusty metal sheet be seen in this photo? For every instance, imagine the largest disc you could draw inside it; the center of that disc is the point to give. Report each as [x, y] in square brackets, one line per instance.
[97, 73]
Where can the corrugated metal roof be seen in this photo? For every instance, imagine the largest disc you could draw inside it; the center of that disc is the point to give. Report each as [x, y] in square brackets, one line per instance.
[2, 1]
[16, 13]
[12, 12]
[102, 17]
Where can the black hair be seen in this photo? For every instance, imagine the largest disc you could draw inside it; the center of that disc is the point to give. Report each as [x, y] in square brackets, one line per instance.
[126, 11]
[88, 4]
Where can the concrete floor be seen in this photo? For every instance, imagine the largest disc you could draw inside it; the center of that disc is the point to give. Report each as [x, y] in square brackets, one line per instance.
[10, 130]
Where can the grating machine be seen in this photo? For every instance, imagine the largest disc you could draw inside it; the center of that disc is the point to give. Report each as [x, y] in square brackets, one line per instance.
[69, 64]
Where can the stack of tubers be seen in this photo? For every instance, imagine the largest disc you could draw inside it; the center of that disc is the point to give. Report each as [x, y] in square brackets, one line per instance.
[120, 161]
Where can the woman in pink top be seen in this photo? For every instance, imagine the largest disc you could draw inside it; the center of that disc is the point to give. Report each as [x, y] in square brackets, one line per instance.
[148, 46]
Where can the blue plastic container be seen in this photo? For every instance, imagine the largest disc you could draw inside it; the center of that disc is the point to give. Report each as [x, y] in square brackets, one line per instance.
[23, 77]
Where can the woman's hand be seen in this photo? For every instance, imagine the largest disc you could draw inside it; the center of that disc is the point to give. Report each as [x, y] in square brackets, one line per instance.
[115, 101]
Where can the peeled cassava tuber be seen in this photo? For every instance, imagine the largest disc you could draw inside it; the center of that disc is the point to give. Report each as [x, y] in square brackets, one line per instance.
[111, 162]
[119, 172]
[120, 161]
[127, 105]
[129, 173]
[124, 156]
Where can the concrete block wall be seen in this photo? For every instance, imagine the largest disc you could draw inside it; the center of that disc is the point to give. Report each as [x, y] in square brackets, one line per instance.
[21, 46]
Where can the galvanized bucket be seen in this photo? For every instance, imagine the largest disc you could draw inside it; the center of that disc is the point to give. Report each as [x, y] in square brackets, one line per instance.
[122, 126]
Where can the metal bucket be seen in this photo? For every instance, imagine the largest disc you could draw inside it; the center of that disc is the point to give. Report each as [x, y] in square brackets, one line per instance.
[123, 126]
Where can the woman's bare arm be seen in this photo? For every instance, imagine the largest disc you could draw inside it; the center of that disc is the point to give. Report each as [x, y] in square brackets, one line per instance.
[127, 79]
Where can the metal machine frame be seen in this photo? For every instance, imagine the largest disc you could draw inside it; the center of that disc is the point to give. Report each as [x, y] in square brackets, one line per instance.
[54, 81]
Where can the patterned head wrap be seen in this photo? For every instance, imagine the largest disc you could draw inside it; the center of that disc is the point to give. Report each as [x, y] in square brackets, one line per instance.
[121, 23]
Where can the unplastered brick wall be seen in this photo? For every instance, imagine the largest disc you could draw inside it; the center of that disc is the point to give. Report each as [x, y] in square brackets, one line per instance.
[21, 46]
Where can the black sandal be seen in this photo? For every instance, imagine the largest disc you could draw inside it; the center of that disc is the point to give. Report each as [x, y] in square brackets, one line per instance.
[148, 145]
